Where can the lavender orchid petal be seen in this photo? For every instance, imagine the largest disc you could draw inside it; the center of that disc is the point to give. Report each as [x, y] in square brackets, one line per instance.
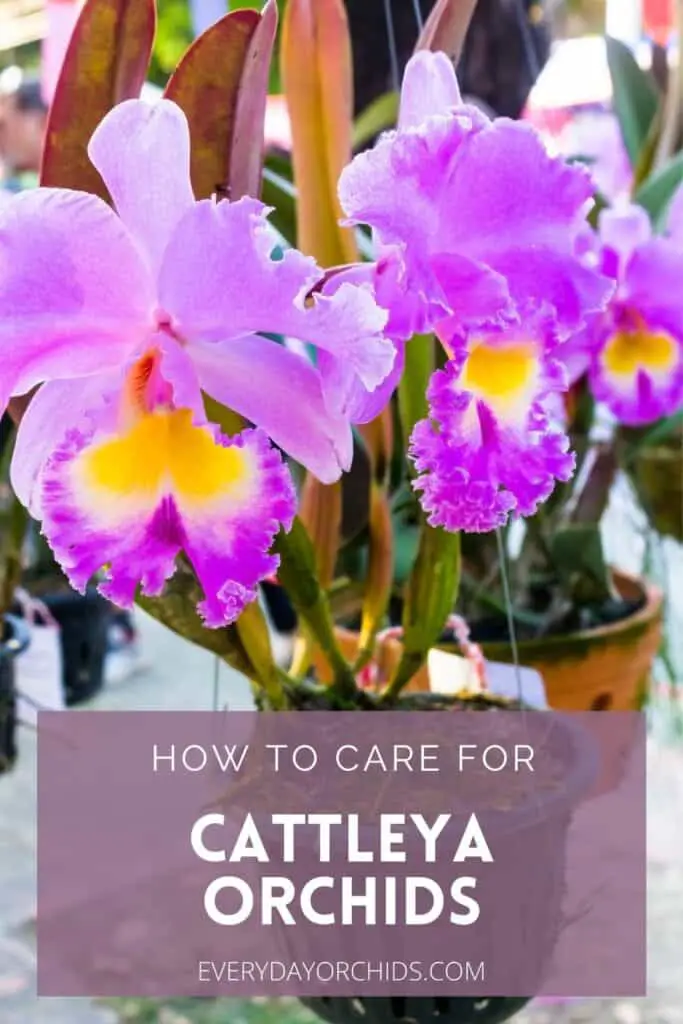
[623, 229]
[67, 308]
[218, 281]
[290, 407]
[138, 142]
[430, 86]
[455, 185]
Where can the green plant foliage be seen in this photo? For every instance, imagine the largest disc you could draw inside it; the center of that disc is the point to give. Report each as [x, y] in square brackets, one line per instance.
[636, 99]
[174, 35]
[656, 193]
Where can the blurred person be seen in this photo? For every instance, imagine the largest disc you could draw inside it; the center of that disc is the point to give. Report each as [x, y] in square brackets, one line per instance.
[23, 119]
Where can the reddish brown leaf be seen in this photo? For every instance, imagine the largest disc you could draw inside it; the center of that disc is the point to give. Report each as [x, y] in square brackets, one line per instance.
[222, 84]
[106, 62]
[320, 510]
[447, 26]
[248, 141]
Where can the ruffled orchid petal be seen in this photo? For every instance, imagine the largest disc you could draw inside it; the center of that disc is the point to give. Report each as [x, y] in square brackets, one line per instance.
[131, 501]
[413, 307]
[139, 142]
[76, 297]
[505, 190]
[397, 187]
[219, 282]
[543, 277]
[484, 295]
[459, 187]
[281, 391]
[55, 409]
[490, 446]
[345, 394]
[575, 355]
[652, 282]
[430, 86]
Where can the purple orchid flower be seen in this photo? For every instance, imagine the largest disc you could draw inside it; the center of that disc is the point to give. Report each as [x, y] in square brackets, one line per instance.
[480, 234]
[127, 322]
[485, 220]
[492, 444]
[633, 351]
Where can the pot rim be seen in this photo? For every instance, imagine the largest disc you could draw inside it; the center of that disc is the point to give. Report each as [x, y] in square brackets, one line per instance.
[649, 613]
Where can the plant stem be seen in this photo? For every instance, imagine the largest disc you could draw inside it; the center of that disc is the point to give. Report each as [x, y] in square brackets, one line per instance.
[430, 599]
[297, 574]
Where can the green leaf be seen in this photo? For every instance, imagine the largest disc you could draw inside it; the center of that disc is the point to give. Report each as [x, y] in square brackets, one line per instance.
[406, 544]
[177, 610]
[648, 437]
[430, 598]
[106, 62]
[420, 360]
[380, 575]
[579, 559]
[656, 193]
[636, 99]
[279, 193]
[378, 117]
[297, 574]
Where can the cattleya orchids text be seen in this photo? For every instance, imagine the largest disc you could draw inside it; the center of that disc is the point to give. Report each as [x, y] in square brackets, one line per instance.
[127, 321]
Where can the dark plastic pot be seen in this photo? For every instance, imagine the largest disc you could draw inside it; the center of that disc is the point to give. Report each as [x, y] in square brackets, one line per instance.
[422, 1011]
[539, 910]
[280, 608]
[84, 621]
[15, 640]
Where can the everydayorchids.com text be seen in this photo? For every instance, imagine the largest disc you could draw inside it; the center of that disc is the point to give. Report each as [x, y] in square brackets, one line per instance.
[361, 972]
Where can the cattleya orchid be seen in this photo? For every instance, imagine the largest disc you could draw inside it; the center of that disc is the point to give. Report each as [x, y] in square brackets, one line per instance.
[633, 350]
[491, 445]
[479, 232]
[127, 319]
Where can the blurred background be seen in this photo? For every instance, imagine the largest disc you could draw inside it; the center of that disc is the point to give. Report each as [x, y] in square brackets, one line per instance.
[542, 60]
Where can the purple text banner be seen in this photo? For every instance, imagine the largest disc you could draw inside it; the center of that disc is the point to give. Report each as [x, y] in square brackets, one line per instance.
[341, 854]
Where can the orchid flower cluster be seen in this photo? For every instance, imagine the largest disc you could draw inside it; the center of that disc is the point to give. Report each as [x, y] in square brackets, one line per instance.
[128, 320]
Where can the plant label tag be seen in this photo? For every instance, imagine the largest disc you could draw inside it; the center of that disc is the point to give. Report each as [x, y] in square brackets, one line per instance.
[525, 684]
[451, 673]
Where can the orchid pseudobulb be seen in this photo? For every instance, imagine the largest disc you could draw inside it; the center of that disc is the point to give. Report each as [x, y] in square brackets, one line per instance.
[479, 232]
[127, 321]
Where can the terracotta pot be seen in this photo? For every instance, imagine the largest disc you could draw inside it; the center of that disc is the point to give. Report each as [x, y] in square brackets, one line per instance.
[604, 669]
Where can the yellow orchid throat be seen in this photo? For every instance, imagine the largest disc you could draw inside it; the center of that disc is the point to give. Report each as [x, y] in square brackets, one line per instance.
[627, 352]
[502, 375]
[165, 452]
